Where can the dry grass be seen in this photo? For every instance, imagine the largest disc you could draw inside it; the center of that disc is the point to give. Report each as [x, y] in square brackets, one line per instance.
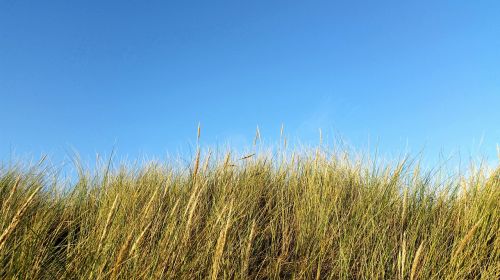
[318, 214]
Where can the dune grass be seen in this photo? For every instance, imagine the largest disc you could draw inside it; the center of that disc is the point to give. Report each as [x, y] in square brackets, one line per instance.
[317, 215]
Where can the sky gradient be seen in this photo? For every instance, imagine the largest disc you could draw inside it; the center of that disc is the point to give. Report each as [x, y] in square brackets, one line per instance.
[140, 75]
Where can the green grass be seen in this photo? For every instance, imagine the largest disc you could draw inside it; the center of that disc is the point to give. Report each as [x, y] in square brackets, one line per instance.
[320, 215]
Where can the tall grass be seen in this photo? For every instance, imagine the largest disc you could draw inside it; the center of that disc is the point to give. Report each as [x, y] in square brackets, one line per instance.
[314, 215]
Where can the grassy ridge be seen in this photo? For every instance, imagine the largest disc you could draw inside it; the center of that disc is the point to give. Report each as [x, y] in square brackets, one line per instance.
[315, 216]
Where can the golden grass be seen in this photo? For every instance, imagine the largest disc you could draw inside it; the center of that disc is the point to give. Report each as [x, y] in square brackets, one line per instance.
[316, 214]
[17, 217]
[416, 262]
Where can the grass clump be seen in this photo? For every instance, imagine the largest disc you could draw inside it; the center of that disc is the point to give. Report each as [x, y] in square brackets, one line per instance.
[310, 216]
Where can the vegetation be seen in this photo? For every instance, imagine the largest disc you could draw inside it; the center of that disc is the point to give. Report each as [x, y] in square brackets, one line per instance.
[313, 215]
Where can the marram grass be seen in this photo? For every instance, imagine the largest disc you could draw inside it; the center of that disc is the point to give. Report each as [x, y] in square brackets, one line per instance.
[310, 216]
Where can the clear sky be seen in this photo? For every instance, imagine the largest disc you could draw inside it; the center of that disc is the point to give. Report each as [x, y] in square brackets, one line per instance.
[140, 75]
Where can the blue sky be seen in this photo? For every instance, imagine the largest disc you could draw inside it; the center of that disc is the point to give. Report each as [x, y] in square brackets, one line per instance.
[140, 75]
